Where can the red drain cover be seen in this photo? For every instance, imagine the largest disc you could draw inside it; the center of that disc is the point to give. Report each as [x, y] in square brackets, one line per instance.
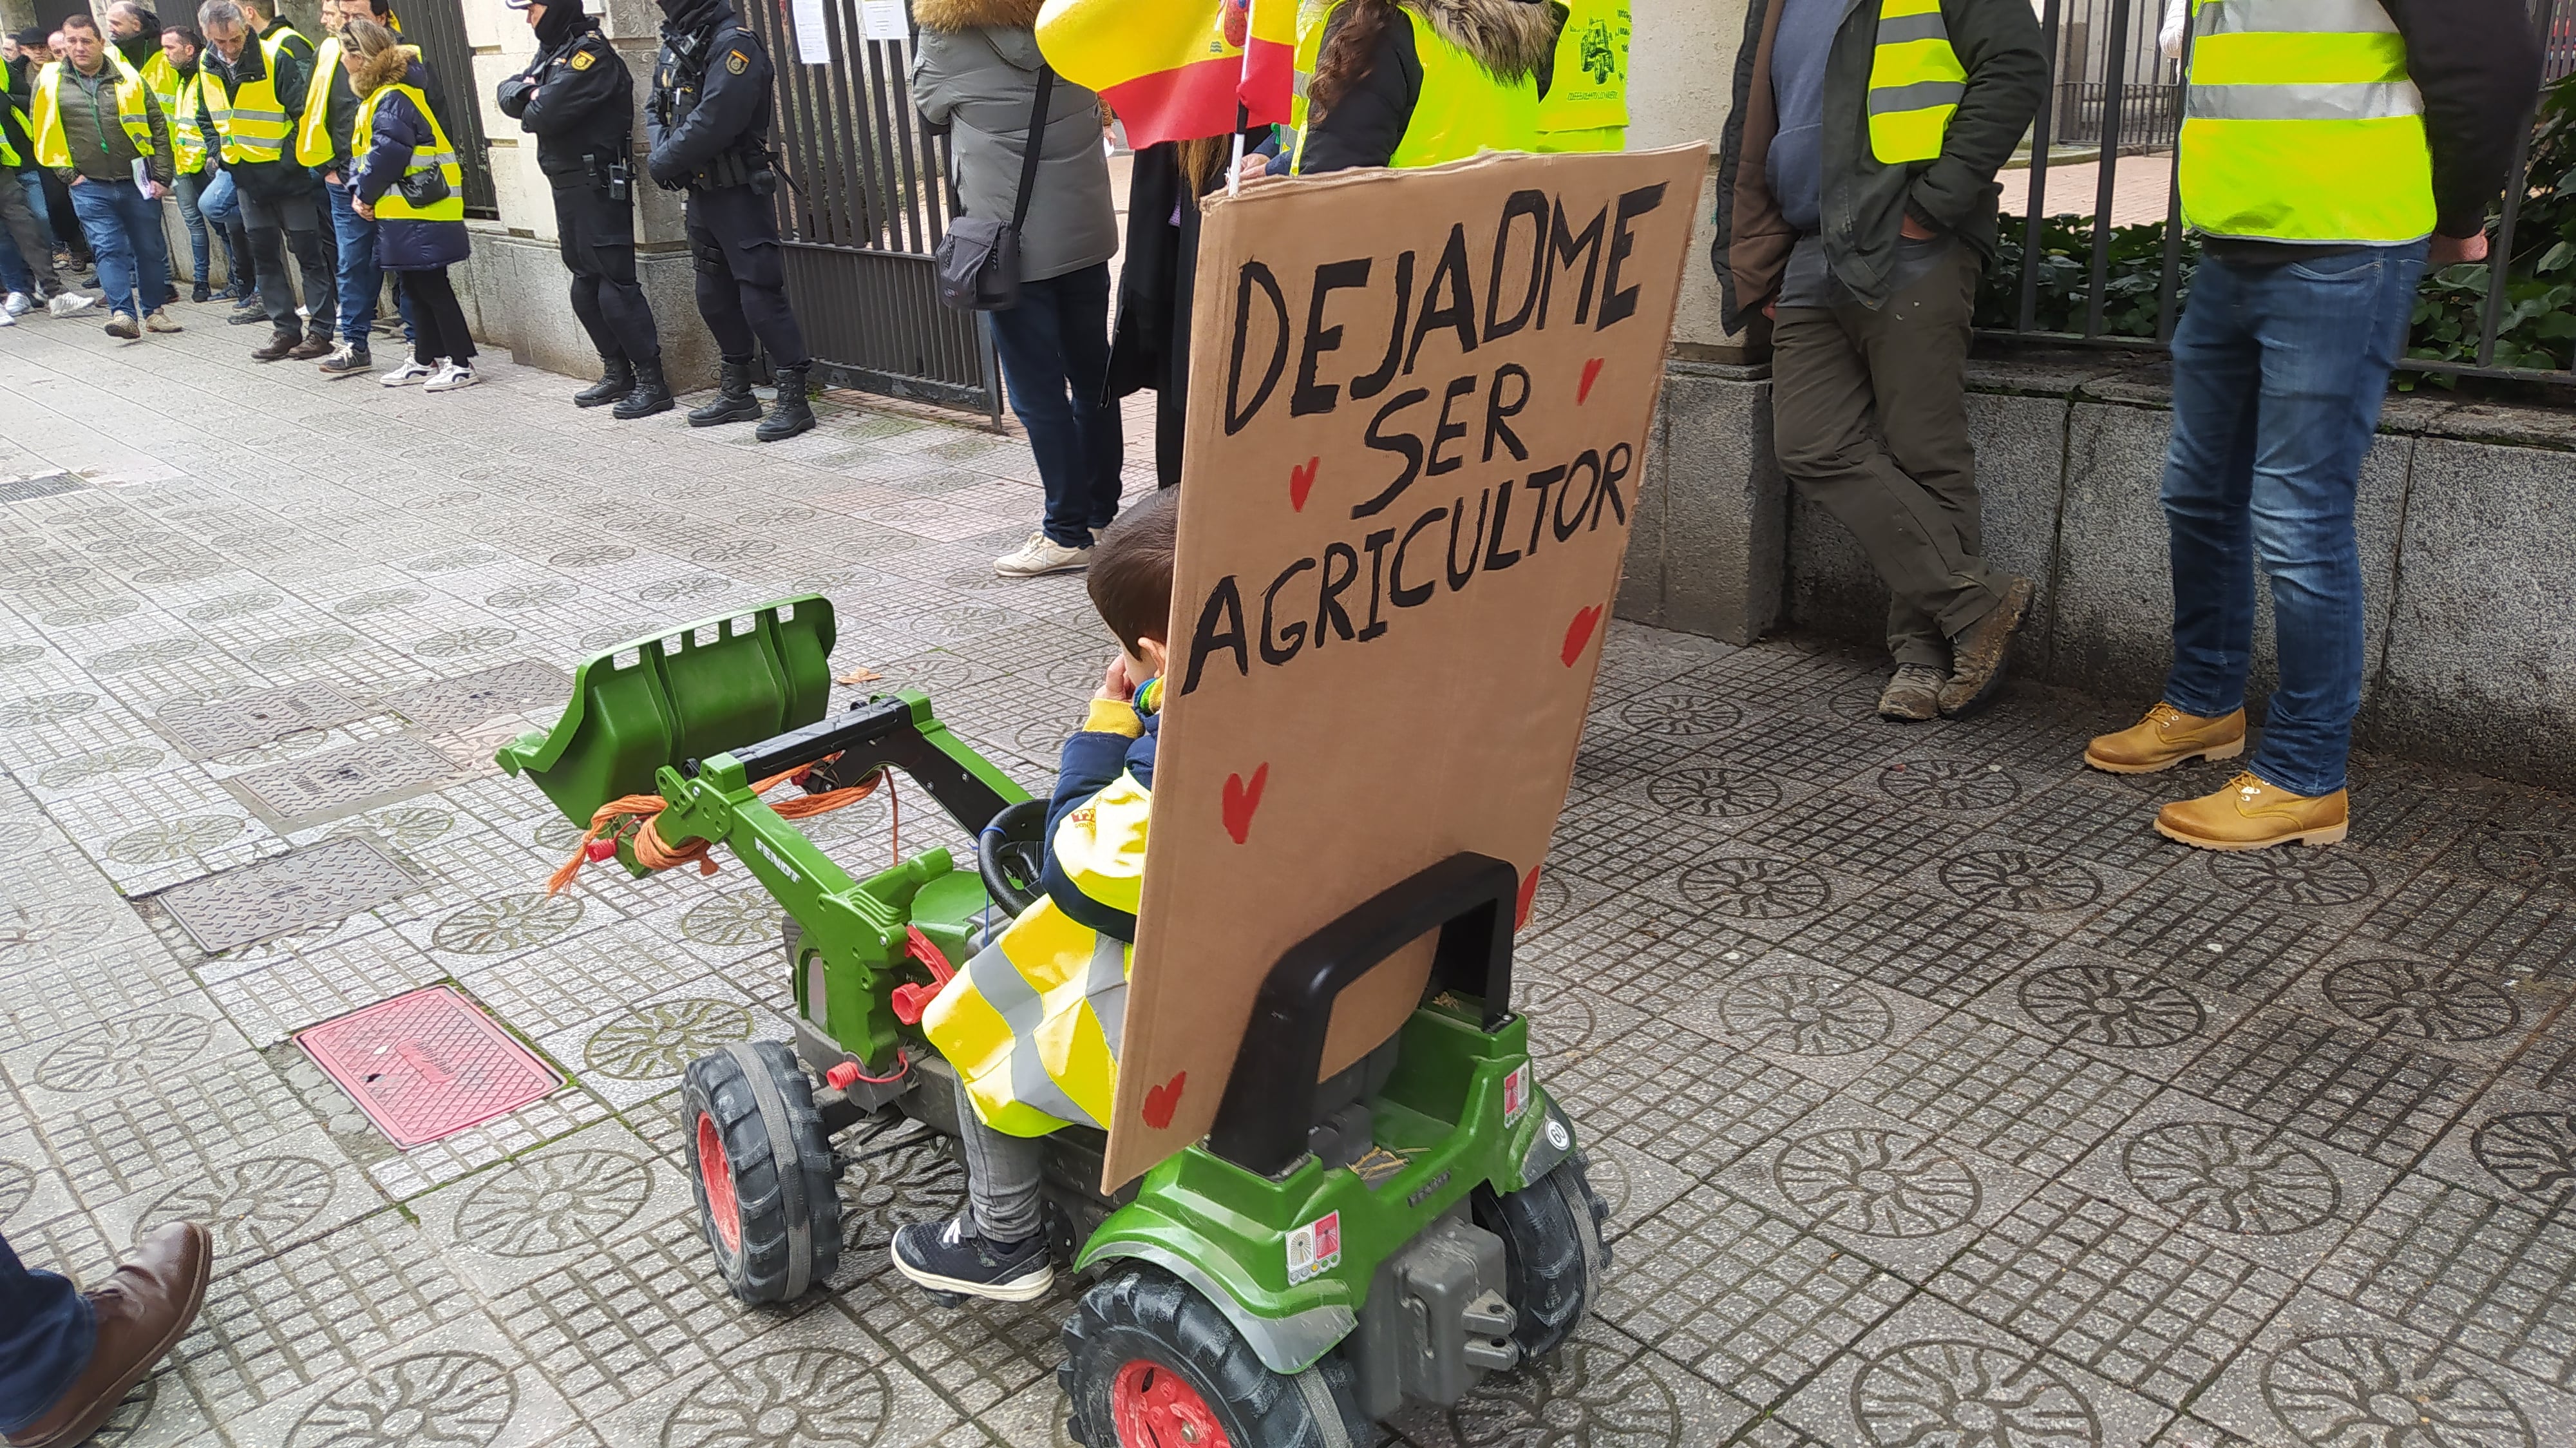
[427, 1064]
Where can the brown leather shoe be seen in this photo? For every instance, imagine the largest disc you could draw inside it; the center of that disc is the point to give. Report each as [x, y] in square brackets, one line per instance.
[2251, 815]
[278, 346]
[310, 348]
[142, 1312]
[1977, 653]
[2166, 737]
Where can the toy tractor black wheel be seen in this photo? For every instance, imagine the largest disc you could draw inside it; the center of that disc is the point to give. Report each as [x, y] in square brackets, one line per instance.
[1553, 1256]
[768, 1197]
[1149, 1363]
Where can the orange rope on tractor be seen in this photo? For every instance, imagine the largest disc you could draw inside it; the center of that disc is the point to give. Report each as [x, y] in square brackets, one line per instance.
[609, 825]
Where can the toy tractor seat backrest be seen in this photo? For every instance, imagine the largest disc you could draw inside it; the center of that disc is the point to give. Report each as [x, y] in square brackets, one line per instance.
[1468, 898]
[673, 698]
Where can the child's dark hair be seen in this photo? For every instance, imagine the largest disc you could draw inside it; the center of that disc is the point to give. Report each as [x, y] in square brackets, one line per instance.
[1130, 575]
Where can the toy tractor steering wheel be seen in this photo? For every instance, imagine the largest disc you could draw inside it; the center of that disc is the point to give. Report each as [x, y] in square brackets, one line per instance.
[1011, 856]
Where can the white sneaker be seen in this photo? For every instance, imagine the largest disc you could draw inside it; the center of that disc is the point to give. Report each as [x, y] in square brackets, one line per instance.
[8, 318]
[67, 304]
[160, 320]
[451, 377]
[1041, 554]
[18, 305]
[408, 373]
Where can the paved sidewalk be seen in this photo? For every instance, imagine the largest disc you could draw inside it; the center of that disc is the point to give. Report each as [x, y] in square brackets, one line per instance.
[1937, 1100]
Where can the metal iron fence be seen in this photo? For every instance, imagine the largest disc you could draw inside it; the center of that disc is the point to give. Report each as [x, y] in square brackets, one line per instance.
[438, 28]
[2127, 89]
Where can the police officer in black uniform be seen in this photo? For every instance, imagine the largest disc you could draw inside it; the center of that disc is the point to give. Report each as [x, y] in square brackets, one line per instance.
[707, 128]
[578, 100]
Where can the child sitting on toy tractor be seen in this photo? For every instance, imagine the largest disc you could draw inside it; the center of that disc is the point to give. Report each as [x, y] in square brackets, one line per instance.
[1032, 1023]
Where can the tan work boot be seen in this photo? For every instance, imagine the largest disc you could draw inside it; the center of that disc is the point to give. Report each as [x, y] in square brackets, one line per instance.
[2165, 738]
[2251, 815]
[1977, 653]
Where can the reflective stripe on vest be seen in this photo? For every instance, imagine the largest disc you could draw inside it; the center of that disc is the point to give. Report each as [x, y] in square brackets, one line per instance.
[53, 147]
[1915, 82]
[1034, 1022]
[178, 100]
[251, 120]
[1586, 105]
[391, 206]
[313, 131]
[2301, 124]
[8, 153]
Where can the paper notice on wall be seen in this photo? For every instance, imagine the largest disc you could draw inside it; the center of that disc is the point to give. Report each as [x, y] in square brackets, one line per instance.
[813, 37]
[885, 19]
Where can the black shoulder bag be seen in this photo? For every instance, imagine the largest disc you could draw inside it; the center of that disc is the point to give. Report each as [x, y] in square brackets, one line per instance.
[979, 258]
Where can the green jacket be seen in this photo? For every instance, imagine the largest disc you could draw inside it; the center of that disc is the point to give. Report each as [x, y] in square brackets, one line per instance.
[101, 149]
[1865, 202]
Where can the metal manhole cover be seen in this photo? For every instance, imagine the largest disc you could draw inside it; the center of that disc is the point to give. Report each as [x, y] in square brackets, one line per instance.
[211, 727]
[48, 485]
[322, 885]
[470, 699]
[427, 1064]
[342, 781]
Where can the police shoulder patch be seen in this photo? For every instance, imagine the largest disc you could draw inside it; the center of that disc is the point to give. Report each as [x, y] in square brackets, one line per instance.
[737, 62]
[581, 59]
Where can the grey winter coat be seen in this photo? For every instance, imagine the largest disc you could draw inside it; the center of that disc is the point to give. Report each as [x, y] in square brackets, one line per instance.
[977, 74]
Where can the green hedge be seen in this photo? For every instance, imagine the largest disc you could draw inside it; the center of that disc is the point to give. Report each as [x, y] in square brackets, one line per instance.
[2537, 329]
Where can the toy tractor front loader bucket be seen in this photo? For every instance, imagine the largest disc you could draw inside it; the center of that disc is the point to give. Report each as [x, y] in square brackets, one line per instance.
[677, 698]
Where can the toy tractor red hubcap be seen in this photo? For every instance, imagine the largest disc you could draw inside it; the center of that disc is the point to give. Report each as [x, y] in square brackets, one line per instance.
[1154, 1407]
[715, 1172]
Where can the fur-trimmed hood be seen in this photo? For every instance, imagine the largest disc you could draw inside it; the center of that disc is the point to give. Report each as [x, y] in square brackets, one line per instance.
[382, 70]
[1511, 38]
[975, 14]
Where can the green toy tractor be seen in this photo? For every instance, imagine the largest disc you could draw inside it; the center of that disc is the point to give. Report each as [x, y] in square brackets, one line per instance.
[1324, 1257]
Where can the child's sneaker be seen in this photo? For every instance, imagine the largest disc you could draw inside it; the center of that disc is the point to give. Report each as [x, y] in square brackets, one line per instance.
[947, 1257]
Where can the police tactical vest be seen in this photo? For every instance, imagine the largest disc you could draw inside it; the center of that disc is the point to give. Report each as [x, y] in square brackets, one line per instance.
[1915, 82]
[53, 148]
[1586, 105]
[2301, 124]
[436, 154]
[313, 131]
[251, 120]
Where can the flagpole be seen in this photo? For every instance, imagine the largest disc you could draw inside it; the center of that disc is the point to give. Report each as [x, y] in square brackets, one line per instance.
[1234, 167]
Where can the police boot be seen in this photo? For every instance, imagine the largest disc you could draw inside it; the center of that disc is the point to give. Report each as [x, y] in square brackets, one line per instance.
[651, 394]
[616, 379]
[733, 400]
[792, 413]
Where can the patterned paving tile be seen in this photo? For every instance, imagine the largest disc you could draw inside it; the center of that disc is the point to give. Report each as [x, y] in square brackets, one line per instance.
[1998, 1091]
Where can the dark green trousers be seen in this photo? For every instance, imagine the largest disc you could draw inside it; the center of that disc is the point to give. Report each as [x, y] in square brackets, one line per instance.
[1869, 412]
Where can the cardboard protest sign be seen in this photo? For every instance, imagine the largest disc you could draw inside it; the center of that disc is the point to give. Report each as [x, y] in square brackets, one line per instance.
[1418, 409]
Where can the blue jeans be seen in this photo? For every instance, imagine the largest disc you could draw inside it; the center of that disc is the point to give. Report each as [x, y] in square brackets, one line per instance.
[200, 246]
[358, 274]
[46, 1333]
[125, 236]
[2278, 376]
[1054, 350]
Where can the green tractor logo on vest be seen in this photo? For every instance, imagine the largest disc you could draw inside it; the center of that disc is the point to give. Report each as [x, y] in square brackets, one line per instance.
[1603, 55]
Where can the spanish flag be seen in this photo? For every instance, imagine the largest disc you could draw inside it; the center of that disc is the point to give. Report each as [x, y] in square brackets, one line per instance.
[1176, 69]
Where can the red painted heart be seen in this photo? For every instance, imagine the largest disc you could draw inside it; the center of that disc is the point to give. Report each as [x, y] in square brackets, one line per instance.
[1161, 1101]
[1583, 389]
[1579, 632]
[1241, 800]
[1301, 481]
[1529, 896]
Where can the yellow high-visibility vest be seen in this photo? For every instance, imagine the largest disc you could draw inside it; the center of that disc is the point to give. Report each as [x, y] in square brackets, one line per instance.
[2300, 123]
[1463, 108]
[53, 148]
[313, 131]
[1311, 15]
[178, 100]
[251, 121]
[1586, 105]
[9, 158]
[1032, 1024]
[1915, 82]
[391, 206]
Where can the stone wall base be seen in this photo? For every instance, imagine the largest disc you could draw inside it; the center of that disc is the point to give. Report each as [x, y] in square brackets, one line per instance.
[2463, 515]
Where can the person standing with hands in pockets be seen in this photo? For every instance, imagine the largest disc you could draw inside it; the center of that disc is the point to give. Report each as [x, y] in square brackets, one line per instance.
[97, 125]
